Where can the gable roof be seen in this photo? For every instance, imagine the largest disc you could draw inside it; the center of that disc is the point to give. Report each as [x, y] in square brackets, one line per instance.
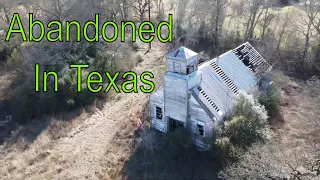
[223, 78]
[182, 53]
[252, 59]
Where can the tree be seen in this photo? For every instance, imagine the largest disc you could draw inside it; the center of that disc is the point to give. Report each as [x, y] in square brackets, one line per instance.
[254, 7]
[140, 7]
[306, 18]
[267, 18]
[218, 17]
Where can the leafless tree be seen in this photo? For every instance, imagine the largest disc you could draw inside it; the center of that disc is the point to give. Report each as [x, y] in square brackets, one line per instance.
[160, 9]
[140, 7]
[267, 18]
[305, 27]
[254, 7]
[123, 7]
[218, 17]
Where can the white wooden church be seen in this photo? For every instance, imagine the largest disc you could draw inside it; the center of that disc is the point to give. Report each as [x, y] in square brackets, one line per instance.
[197, 97]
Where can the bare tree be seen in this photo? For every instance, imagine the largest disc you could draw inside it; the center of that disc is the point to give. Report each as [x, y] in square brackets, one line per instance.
[254, 7]
[284, 26]
[305, 27]
[267, 19]
[315, 20]
[140, 7]
[57, 9]
[123, 7]
[160, 9]
[218, 17]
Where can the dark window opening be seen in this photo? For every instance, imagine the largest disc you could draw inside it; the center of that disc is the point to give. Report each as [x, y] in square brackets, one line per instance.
[159, 113]
[201, 130]
[190, 69]
[175, 124]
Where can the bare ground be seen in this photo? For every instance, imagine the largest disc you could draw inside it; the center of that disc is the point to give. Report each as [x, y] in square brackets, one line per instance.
[77, 154]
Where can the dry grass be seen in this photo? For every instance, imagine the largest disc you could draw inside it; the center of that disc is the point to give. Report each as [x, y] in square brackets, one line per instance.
[291, 152]
[74, 146]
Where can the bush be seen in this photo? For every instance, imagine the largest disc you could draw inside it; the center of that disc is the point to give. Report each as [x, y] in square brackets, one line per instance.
[223, 149]
[247, 123]
[271, 101]
[26, 104]
[148, 140]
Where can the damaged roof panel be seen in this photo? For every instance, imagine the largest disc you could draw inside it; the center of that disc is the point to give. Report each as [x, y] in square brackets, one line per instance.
[252, 59]
[237, 71]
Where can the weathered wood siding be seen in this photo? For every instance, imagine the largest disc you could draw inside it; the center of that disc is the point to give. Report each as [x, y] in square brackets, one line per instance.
[176, 98]
[173, 63]
[195, 80]
[157, 100]
[196, 113]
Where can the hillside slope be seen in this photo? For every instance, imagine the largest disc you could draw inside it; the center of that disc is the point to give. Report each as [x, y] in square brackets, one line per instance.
[76, 155]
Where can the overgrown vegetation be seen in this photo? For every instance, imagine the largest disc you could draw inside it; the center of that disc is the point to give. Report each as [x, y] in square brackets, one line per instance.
[25, 102]
[271, 100]
[247, 125]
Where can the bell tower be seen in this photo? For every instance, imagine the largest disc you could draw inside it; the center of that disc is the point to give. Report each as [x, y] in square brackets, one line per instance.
[181, 77]
[183, 61]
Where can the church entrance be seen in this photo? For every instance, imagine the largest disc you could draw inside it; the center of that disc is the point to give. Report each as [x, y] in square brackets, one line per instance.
[175, 124]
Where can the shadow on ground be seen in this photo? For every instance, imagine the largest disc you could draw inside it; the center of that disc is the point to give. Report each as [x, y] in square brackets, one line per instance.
[168, 163]
[11, 130]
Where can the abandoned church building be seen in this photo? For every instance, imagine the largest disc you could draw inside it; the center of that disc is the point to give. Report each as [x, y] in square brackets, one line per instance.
[197, 97]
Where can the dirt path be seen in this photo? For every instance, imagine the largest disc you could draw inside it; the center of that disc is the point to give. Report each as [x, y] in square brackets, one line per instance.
[77, 154]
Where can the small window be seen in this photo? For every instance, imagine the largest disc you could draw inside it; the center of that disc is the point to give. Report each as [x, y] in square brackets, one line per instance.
[200, 128]
[190, 69]
[159, 113]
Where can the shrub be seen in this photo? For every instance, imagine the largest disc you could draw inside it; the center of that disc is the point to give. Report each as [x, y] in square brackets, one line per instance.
[247, 123]
[148, 140]
[271, 101]
[223, 149]
[27, 104]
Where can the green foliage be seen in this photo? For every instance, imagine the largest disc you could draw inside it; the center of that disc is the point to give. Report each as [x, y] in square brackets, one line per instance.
[26, 104]
[271, 101]
[247, 123]
[223, 149]
[103, 62]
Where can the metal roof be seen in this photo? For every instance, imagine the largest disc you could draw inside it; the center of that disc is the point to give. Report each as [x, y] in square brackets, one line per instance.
[256, 64]
[182, 53]
[226, 75]
[216, 90]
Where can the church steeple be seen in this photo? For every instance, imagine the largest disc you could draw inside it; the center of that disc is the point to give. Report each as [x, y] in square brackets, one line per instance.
[183, 61]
